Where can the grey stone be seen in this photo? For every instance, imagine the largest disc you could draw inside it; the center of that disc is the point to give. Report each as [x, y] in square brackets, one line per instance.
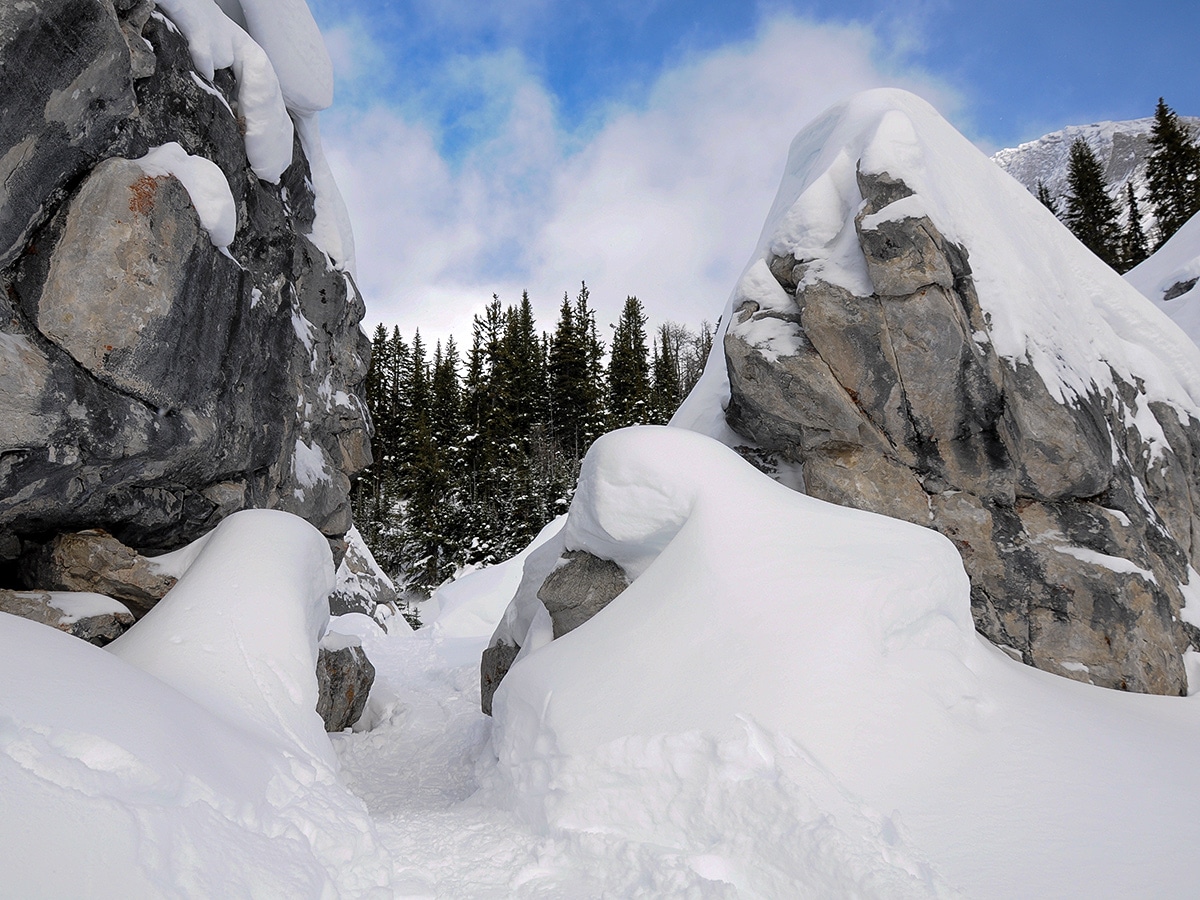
[1076, 537]
[494, 665]
[48, 608]
[344, 679]
[578, 588]
[67, 83]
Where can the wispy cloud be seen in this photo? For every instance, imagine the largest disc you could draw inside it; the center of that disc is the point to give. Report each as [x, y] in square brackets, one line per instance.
[662, 198]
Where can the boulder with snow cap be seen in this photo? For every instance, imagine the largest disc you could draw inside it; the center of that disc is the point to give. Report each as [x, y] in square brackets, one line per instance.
[928, 342]
[344, 679]
[180, 326]
[89, 616]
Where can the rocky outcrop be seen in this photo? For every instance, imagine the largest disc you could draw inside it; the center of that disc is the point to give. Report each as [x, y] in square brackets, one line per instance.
[1076, 532]
[87, 616]
[344, 679]
[151, 383]
[362, 586]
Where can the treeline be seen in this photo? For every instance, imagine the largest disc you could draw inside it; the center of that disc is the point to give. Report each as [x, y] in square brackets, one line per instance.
[1173, 191]
[474, 455]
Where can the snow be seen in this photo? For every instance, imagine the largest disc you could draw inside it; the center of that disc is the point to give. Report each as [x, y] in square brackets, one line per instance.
[1175, 263]
[76, 605]
[774, 640]
[789, 700]
[308, 464]
[282, 67]
[205, 184]
[216, 42]
[1049, 302]
[285, 29]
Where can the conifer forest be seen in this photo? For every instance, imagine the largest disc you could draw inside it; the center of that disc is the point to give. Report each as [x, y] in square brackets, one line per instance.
[475, 452]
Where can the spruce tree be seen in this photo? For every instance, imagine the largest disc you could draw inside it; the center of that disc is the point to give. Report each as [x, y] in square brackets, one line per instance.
[1091, 213]
[1133, 239]
[1046, 198]
[629, 368]
[665, 396]
[1172, 172]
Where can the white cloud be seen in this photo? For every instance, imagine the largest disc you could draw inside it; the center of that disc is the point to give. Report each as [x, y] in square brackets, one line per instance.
[664, 201]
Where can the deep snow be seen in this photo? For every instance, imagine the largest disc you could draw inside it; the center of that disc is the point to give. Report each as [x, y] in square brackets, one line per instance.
[790, 700]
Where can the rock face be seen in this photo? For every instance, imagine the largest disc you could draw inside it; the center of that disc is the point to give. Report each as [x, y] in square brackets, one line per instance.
[344, 679]
[362, 586]
[150, 383]
[1076, 534]
[1121, 147]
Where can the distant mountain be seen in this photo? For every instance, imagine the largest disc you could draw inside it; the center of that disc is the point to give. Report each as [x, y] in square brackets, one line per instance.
[1121, 147]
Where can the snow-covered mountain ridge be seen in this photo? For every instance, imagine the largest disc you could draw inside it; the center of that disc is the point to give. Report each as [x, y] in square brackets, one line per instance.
[1121, 147]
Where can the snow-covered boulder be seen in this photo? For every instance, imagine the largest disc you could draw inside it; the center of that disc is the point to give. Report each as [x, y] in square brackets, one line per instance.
[362, 586]
[179, 331]
[929, 342]
[92, 617]
[790, 699]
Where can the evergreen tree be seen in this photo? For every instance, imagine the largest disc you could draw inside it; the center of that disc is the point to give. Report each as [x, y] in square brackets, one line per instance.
[629, 368]
[575, 366]
[1173, 172]
[1044, 196]
[1133, 239]
[665, 395]
[1091, 213]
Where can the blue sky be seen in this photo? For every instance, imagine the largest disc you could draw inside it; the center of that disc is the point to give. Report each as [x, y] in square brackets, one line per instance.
[636, 144]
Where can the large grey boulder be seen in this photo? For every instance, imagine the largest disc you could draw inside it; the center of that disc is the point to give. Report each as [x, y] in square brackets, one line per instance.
[560, 589]
[1077, 538]
[151, 384]
[578, 588]
[344, 679]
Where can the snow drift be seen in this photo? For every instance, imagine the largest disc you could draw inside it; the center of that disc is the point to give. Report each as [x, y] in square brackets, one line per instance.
[190, 760]
[792, 696]
[1170, 276]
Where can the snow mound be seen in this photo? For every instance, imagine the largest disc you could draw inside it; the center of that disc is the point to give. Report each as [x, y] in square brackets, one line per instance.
[792, 695]
[254, 599]
[205, 184]
[1048, 300]
[1174, 271]
[186, 759]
